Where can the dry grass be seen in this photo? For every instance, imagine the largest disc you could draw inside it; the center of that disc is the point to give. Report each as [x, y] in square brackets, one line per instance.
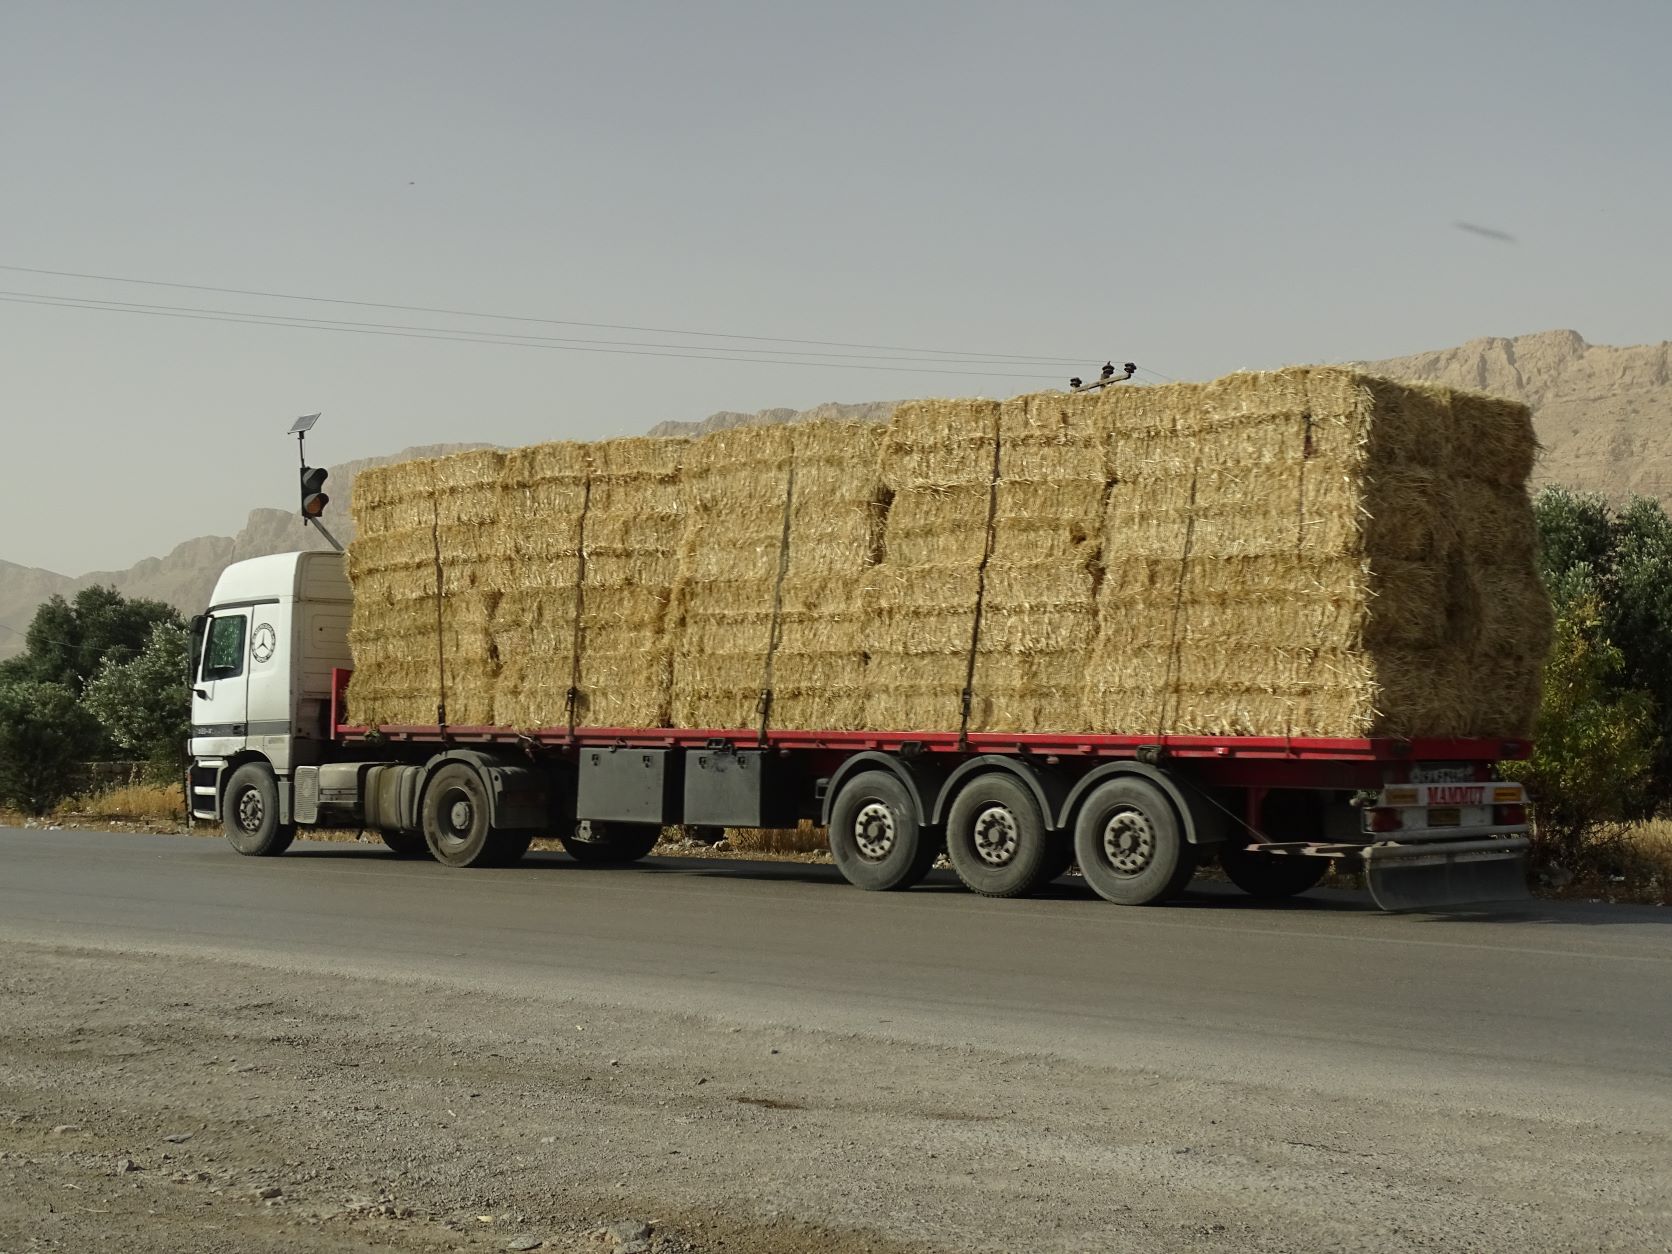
[132, 802]
[1644, 854]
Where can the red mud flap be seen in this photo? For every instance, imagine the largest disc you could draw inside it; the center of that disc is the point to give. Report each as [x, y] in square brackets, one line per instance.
[1443, 875]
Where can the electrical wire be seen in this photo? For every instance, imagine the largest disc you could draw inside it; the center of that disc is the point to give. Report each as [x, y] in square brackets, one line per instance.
[490, 336]
[466, 336]
[570, 322]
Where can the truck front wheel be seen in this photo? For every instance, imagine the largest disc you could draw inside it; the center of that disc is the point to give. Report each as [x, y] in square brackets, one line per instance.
[875, 838]
[250, 813]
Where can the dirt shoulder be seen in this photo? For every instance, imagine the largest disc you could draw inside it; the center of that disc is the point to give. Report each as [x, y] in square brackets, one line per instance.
[184, 1104]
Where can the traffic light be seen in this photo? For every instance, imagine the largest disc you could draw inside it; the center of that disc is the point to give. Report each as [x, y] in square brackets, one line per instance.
[314, 499]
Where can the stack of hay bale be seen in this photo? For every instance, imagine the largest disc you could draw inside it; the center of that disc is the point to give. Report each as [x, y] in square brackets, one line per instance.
[631, 538]
[735, 485]
[536, 566]
[826, 621]
[1309, 552]
[414, 521]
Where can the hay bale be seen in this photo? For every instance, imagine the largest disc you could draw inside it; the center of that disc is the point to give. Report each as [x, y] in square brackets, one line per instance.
[634, 521]
[1302, 552]
[837, 521]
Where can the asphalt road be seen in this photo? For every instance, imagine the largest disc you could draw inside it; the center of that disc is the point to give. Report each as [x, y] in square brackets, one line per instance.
[1561, 1009]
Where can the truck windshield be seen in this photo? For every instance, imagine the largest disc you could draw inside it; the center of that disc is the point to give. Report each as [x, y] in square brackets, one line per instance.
[223, 652]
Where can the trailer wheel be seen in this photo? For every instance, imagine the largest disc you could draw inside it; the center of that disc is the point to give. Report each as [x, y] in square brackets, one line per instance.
[455, 818]
[875, 838]
[251, 813]
[1285, 814]
[996, 838]
[610, 844]
[1130, 844]
[405, 844]
[1270, 875]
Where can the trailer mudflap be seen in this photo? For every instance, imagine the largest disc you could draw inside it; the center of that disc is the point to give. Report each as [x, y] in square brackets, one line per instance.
[1442, 875]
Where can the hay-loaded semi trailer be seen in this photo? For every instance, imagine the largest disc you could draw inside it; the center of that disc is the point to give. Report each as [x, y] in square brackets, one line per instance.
[1428, 820]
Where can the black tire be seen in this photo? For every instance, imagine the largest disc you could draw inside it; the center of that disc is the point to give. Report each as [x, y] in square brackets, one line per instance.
[1130, 844]
[1270, 876]
[405, 844]
[610, 844]
[1287, 815]
[455, 818]
[875, 837]
[996, 837]
[250, 813]
[509, 847]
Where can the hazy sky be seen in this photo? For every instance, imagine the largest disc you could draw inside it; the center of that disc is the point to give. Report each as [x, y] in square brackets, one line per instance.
[1196, 187]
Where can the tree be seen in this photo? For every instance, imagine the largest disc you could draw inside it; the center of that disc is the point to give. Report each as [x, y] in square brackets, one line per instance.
[1639, 614]
[1574, 529]
[142, 702]
[44, 735]
[1596, 740]
[69, 640]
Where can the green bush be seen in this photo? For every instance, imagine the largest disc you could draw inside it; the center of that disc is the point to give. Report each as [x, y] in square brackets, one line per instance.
[45, 735]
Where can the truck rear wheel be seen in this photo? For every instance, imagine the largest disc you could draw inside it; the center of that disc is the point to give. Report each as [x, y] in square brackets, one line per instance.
[1270, 875]
[996, 838]
[875, 838]
[455, 816]
[250, 813]
[1130, 844]
[607, 844]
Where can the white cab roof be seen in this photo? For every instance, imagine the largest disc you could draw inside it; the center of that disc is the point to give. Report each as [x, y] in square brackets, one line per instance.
[318, 576]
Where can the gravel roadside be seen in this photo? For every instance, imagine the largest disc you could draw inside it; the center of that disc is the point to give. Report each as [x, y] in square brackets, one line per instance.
[183, 1104]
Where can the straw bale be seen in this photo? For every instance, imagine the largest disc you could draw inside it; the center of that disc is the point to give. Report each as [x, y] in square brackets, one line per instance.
[1497, 438]
[940, 443]
[542, 490]
[1304, 552]
[914, 691]
[393, 498]
[467, 488]
[1027, 692]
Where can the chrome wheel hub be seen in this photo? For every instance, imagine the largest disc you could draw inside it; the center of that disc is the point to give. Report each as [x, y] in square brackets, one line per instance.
[251, 812]
[873, 831]
[997, 835]
[1129, 842]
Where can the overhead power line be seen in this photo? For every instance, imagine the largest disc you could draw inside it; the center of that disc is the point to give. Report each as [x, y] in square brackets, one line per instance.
[461, 335]
[567, 322]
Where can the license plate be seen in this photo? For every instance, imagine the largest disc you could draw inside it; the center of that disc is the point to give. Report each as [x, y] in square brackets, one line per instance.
[1442, 773]
[1445, 816]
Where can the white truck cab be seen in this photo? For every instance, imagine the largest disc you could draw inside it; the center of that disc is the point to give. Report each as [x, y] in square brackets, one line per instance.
[262, 657]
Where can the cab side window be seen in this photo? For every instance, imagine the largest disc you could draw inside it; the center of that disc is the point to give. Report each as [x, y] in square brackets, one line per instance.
[223, 651]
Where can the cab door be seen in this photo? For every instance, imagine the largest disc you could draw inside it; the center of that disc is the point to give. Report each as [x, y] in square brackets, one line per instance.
[220, 689]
